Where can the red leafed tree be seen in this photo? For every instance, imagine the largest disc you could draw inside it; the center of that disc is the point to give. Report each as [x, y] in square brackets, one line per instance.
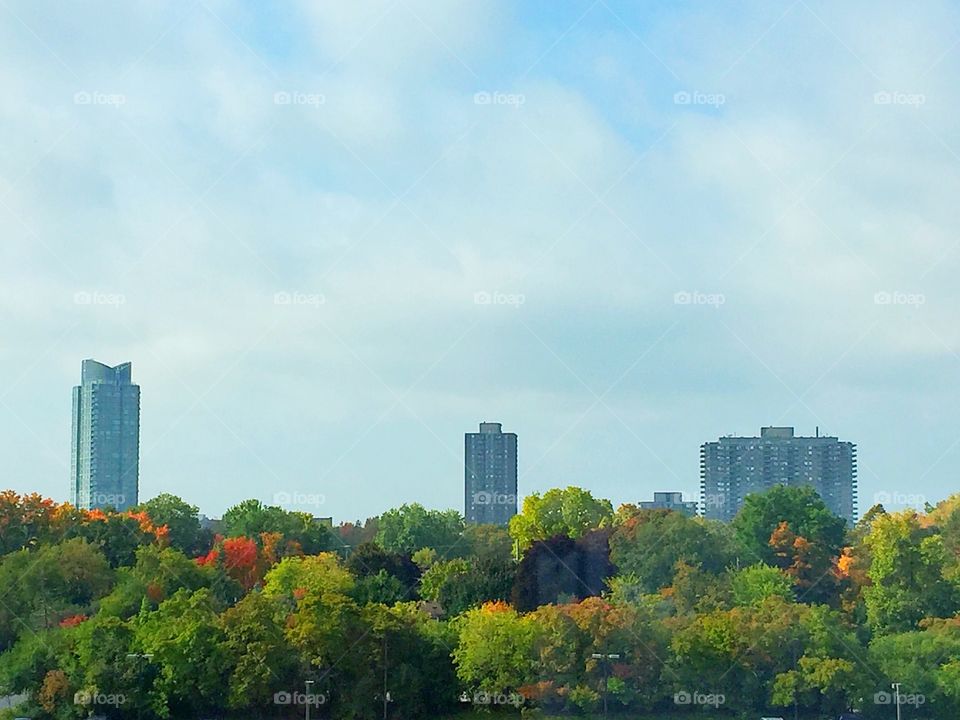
[241, 559]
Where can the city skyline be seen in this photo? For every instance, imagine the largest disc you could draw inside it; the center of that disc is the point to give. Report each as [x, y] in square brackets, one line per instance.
[622, 229]
[106, 427]
[489, 465]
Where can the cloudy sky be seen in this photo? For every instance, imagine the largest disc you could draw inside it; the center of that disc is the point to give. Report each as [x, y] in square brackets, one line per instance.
[332, 237]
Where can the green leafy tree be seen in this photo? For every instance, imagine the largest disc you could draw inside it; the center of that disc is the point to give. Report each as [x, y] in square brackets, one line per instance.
[182, 521]
[253, 519]
[157, 574]
[572, 512]
[461, 584]
[259, 658]
[650, 543]
[186, 644]
[39, 589]
[907, 582]
[800, 507]
[370, 560]
[488, 541]
[754, 584]
[316, 574]
[412, 527]
[495, 651]
[926, 663]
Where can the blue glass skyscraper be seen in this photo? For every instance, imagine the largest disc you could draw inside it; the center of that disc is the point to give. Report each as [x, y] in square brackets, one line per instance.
[105, 443]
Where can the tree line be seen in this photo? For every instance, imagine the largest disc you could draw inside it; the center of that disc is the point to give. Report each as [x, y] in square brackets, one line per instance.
[574, 608]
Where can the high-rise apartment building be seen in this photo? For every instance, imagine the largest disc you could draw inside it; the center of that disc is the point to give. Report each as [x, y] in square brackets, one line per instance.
[490, 475]
[734, 467]
[106, 438]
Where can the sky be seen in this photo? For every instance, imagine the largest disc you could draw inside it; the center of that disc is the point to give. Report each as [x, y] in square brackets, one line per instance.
[333, 237]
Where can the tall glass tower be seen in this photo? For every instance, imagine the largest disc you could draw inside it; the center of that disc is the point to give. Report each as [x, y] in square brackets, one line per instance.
[105, 442]
[490, 475]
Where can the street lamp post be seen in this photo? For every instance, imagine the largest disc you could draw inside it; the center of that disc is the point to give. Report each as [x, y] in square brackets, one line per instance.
[896, 697]
[307, 684]
[606, 673]
[386, 693]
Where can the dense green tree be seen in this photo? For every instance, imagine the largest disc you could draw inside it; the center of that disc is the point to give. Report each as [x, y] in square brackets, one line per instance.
[800, 507]
[488, 541]
[461, 584]
[187, 646]
[571, 511]
[39, 589]
[316, 574]
[157, 574]
[906, 573]
[412, 527]
[182, 521]
[754, 584]
[253, 519]
[926, 663]
[650, 543]
[495, 652]
[260, 660]
[370, 559]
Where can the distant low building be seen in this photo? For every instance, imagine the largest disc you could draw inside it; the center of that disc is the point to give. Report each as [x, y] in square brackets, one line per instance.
[670, 501]
[214, 525]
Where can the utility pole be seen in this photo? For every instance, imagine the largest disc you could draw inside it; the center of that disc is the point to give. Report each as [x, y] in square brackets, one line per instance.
[896, 697]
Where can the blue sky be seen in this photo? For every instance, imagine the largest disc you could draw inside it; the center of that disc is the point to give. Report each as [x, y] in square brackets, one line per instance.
[689, 219]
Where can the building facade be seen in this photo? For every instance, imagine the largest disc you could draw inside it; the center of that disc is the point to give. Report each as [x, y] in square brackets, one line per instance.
[734, 467]
[105, 444]
[490, 475]
[670, 501]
